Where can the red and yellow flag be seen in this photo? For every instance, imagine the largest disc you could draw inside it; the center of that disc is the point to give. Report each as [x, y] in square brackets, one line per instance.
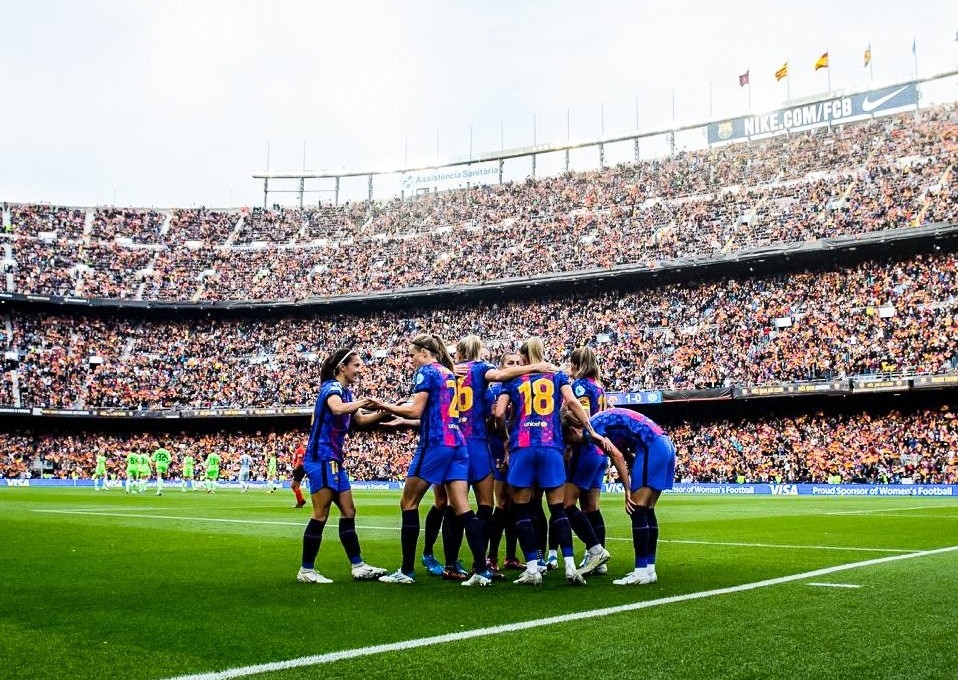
[782, 72]
[868, 55]
[822, 62]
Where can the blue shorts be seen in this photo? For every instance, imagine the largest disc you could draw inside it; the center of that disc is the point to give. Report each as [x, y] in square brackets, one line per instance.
[538, 466]
[440, 464]
[587, 467]
[654, 467]
[480, 459]
[498, 451]
[326, 474]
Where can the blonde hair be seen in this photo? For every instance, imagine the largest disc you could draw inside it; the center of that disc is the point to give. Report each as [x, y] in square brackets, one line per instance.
[436, 346]
[468, 348]
[584, 364]
[533, 349]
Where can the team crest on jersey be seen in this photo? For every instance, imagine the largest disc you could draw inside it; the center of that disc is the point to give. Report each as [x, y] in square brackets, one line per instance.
[419, 378]
[579, 390]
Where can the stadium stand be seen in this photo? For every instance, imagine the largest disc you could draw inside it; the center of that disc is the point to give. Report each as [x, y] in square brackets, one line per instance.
[888, 173]
[877, 317]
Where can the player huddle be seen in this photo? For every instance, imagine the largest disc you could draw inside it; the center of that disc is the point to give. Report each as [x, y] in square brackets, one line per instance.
[514, 433]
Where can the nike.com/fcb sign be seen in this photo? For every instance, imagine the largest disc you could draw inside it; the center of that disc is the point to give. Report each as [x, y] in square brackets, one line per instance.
[814, 114]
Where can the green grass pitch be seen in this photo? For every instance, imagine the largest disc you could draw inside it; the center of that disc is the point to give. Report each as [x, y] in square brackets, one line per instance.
[106, 585]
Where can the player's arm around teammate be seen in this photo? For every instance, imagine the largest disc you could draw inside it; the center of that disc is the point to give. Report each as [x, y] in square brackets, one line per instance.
[440, 458]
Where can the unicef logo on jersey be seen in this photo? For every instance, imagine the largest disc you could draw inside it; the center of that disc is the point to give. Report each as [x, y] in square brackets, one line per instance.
[579, 390]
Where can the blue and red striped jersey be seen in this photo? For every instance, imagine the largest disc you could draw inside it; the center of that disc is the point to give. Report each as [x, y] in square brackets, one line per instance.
[473, 400]
[328, 431]
[439, 422]
[627, 429]
[536, 399]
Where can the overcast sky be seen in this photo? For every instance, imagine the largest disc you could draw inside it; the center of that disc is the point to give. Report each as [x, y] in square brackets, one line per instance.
[166, 103]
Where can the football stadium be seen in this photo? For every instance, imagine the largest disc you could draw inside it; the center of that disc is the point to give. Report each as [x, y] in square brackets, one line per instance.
[684, 409]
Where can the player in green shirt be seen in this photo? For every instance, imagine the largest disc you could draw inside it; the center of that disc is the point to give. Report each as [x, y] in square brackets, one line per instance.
[145, 470]
[271, 480]
[132, 470]
[100, 473]
[161, 458]
[188, 473]
[212, 472]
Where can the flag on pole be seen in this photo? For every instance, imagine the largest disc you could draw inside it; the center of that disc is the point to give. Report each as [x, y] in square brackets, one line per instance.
[782, 72]
[868, 55]
[822, 62]
[743, 79]
[914, 46]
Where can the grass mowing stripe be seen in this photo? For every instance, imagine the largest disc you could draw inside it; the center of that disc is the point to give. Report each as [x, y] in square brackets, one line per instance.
[379, 528]
[734, 544]
[406, 645]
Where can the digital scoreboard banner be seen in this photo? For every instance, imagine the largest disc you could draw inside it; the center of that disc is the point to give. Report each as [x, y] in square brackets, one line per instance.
[788, 389]
[859, 490]
[814, 114]
[928, 381]
[627, 398]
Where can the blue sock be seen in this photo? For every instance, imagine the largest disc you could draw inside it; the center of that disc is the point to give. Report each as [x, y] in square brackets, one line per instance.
[524, 531]
[433, 524]
[312, 538]
[559, 525]
[653, 535]
[409, 537]
[484, 515]
[541, 525]
[581, 526]
[497, 525]
[598, 524]
[640, 536]
[349, 539]
[512, 538]
[473, 530]
[452, 531]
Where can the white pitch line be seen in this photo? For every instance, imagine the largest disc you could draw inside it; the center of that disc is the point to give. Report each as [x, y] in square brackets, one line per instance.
[331, 657]
[773, 545]
[198, 519]
[912, 515]
[834, 585]
[875, 512]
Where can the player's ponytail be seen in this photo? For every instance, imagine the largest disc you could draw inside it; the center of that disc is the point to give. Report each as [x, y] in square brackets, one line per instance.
[533, 350]
[442, 353]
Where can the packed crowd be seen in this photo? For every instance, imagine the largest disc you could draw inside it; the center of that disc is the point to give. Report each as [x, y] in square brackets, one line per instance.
[34, 220]
[141, 226]
[886, 173]
[887, 316]
[861, 448]
[921, 446]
